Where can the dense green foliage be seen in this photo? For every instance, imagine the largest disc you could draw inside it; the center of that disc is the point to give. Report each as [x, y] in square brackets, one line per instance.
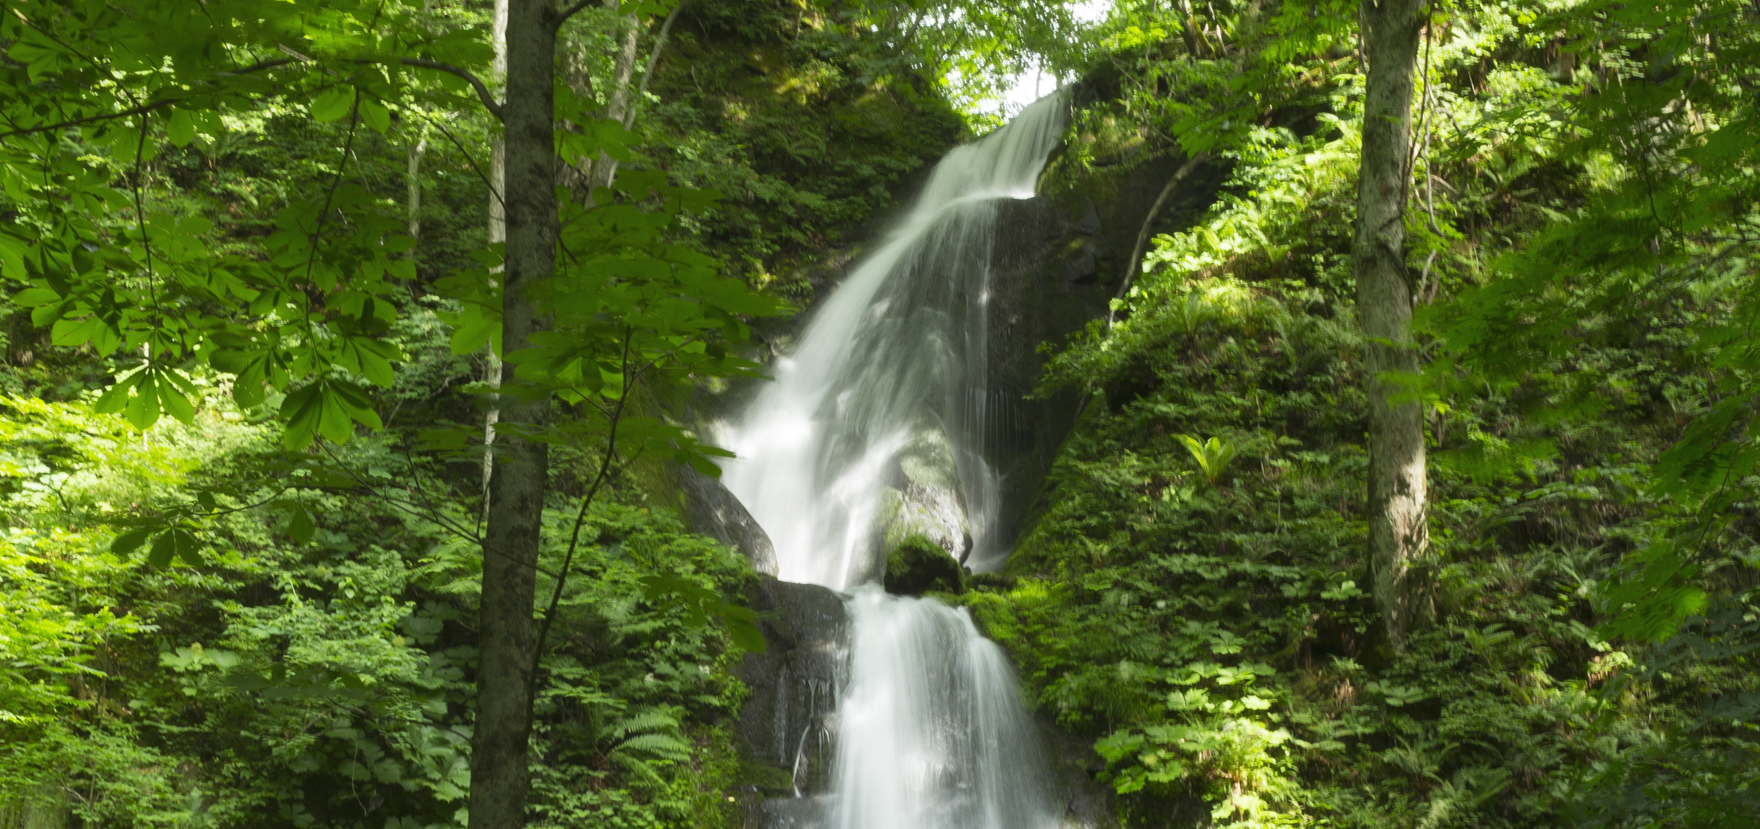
[203, 627]
[318, 674]
[805, 122]
[1191, 594]
[1593, 577]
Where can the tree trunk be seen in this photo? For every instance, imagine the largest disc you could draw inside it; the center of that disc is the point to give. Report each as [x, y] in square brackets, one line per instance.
[1398, 531]
[623, 105]
[604, 168]
[629, 113]
[1189, 30]
[497, 233]
[413, 180]
[506, 634]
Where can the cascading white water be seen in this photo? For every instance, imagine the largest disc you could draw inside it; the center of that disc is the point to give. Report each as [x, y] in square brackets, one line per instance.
[874, 427]
[890, 364]
[931, 730]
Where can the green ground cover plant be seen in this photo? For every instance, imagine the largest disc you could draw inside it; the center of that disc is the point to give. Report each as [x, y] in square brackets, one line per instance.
[1592, 612]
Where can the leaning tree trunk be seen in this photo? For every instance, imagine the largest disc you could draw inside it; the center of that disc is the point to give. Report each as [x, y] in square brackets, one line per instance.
[1398, 531]
[506, 635]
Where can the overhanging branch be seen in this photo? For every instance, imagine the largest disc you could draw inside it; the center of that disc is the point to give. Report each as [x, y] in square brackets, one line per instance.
[482, 88]
[573, 10]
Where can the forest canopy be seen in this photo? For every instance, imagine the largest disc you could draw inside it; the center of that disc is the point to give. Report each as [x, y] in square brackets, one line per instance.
[356, 353]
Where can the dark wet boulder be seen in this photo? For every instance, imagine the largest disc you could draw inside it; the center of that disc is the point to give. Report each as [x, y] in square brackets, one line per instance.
[788, 720]
[918, 565]
[713, 511]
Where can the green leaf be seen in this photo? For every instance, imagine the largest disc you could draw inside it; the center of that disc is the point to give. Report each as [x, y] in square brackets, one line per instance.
[745, 634]
[115, 398]
[129, 541]
[175, 402]
[181, 129]
[143, 409]
[302, 409]
[175, 542]
[300, 526]
[334, 104]
[376, 116]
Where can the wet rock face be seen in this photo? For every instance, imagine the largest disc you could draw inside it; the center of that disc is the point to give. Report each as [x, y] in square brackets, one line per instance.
[713, 511]
[787, 722]
[927, 500]
[1059, 259]
[918, 565]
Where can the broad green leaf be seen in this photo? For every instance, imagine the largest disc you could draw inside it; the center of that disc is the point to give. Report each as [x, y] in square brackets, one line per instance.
[175, 401]
[174, 542]
[115, 398]
[130, 541]
[376, 116]
[300, 527]
[302, 410]
[143, 408]
[181, 128]
[333, 104]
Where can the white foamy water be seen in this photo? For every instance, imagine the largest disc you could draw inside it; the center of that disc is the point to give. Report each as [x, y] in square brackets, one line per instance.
[896, 351]
[931, 730]
[881, 402]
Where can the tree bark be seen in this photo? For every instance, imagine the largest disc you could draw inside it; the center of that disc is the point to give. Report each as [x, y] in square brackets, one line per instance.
[604, 168]
[1398, 526]
[629, 114]
[413, 181]
[497, 233]
[506, 635]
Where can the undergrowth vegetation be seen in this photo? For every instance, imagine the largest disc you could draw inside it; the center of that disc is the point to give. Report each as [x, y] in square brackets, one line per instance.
[1192, 592]
[314, 671]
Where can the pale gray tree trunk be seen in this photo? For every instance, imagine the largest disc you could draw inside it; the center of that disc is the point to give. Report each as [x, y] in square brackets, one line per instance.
[506, 635]
[497, 233]
[413, 179]
[1398, 527]
[604, 168]
[622, 104]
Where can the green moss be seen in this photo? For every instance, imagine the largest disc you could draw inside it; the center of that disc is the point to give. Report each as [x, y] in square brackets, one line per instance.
[918, 565]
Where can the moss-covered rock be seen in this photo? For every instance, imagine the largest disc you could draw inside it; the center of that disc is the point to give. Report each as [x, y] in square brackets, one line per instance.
[918, 565]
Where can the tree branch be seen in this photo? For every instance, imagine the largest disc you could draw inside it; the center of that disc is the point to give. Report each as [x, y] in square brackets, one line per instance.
[1136, 260]
[141, 109]
[581, 516]
[573, 10]
[482, 89]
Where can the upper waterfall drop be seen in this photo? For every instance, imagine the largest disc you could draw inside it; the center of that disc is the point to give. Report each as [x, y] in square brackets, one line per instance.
[875, 423]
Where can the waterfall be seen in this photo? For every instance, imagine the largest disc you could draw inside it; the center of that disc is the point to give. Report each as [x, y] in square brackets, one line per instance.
[874, 429]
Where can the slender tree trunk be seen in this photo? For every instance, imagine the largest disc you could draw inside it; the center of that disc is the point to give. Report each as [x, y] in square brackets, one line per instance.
[497, 233]
[621, 104]
[604, 169]
[413, 179]
[1398, 527]
[1189, 30]
[634, 104]
[506, 634]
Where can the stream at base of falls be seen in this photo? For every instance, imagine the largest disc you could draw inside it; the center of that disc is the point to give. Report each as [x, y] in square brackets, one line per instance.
[874, 432]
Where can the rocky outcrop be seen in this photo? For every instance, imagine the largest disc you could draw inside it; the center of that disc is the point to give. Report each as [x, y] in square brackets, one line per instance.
[1059, 259]
[787, 722]
[918, 565]
[713, 511]
[1087, 803]
[928, 502]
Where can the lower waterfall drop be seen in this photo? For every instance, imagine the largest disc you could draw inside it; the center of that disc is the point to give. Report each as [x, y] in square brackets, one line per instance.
[931, 729]
[869, 435]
